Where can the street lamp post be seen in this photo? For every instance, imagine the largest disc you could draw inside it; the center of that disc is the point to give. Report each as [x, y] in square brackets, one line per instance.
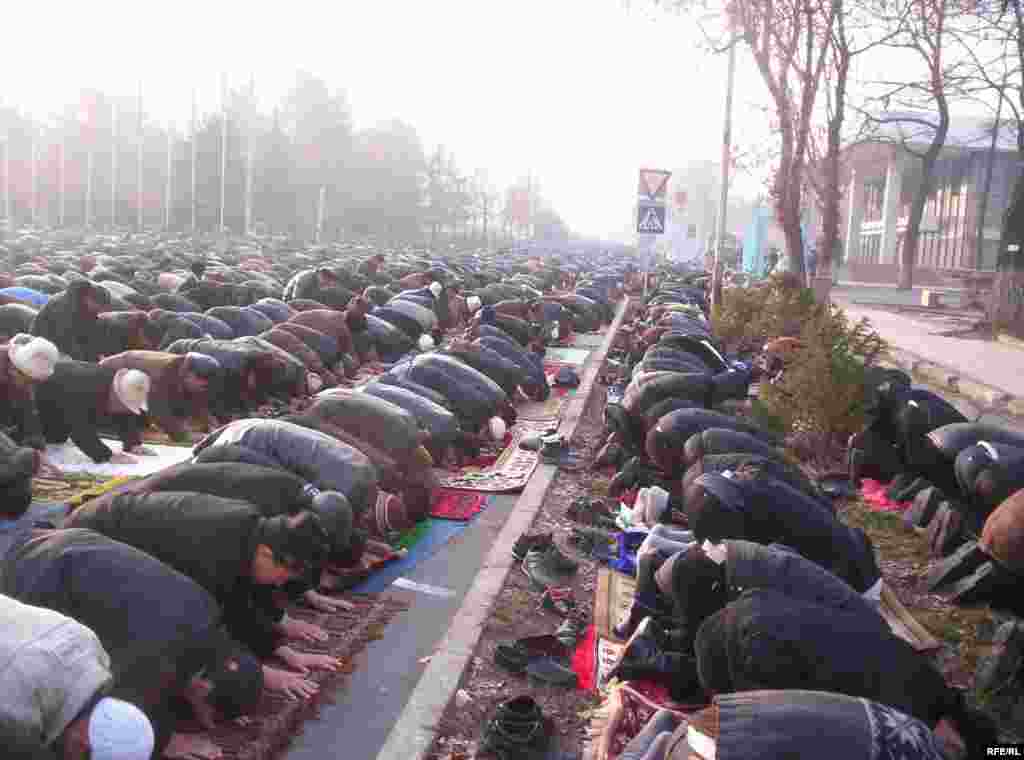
[723, 198]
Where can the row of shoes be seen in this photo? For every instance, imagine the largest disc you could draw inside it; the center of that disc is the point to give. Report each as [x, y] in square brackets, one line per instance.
[545, 658]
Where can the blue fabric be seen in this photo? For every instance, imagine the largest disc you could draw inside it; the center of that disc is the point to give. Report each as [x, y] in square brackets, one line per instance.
[39, 511]
[439, 534]
[628, 543]
[28, 295]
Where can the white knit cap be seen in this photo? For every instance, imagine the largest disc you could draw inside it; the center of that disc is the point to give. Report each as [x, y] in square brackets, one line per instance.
[426, 342]
[436, 288]
[119, 730]
[474, 303]
[131, 387]
[32, 356]
[498, 428]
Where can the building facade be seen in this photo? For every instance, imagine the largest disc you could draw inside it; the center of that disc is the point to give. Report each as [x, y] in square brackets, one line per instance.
[881, 179]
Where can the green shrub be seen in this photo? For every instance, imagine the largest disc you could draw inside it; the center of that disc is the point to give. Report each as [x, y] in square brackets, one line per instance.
[822, 393]
[749, 317]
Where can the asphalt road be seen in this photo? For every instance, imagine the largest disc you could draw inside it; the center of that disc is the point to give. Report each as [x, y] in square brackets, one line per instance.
[357, 724]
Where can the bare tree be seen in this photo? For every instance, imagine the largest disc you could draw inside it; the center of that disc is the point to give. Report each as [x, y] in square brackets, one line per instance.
[927, 34]
[853, 33]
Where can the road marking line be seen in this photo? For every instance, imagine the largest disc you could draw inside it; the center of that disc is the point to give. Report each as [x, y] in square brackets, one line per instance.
[424, 588]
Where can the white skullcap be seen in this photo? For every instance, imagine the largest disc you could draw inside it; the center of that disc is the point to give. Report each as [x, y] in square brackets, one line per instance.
[436, 288]
[32, 356]
[119, 730]
[131, 387]
[426, 342]
[474, 303]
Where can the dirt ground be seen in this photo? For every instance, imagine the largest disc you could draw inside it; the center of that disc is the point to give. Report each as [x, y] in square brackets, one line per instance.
[518, 614]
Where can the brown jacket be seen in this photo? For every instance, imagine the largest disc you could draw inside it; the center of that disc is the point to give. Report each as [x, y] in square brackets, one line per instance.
[170, 405]
[513, 309]
[18, 405]
[1002, 538]
[294, 346]
[330, 322]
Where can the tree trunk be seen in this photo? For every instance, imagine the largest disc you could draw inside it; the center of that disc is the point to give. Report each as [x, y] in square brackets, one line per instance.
[912, 235]
[1007, 307]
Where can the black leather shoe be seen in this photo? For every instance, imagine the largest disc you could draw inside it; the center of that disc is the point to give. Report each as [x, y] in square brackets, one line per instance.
[518, 730]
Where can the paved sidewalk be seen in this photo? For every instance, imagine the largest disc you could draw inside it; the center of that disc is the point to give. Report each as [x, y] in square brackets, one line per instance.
[984, 361]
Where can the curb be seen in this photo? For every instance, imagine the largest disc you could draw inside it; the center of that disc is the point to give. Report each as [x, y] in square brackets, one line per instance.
[989, 397]
[414, 732]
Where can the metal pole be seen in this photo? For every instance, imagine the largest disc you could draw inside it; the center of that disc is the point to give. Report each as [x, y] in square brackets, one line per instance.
[320, 213]
[723, 199]
[170, 180]
[192, 195]
[33, 163]
[63, 174]
[249, 159]
[140, 160]
[223, 146]
[7, 180]
[88, 188]
[115, 150]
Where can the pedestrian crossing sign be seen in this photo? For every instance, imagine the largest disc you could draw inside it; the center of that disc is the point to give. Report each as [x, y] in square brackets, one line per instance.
[650, 220]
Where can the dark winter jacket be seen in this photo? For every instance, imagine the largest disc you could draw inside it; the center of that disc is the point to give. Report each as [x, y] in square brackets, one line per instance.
[72, 403]
[64, 322]
[767, 640]
[209, 539]
[159, 627]
[768, 511]
[318, 458]
[18, 410]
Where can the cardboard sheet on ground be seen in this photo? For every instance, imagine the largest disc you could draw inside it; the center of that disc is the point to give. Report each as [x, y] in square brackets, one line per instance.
[587, 340]
[574, 356]
[69, 458]
[615, 595]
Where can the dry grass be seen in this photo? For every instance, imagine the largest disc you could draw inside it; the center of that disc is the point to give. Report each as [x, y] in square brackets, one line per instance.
[904, 561]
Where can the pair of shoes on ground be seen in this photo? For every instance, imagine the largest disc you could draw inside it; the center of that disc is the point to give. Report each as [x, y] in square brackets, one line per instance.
[543, 659]
[545, 565]
[592, 512]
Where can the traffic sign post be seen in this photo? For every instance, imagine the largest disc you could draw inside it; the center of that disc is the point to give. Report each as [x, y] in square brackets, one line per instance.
[650, 220]
[652, 191]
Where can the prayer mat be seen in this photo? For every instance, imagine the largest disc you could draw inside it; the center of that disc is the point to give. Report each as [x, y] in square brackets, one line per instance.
[457, 505]
[62, 489]
[276, 719]
[435, 536]
[98, 490]
[68, 458]
[622, 715]
[614, 596]
[904, 625]
[875, 495]
[376, 557]
[508, 474]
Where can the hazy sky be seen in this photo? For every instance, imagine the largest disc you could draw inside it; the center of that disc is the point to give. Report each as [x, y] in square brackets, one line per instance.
[580, 92]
